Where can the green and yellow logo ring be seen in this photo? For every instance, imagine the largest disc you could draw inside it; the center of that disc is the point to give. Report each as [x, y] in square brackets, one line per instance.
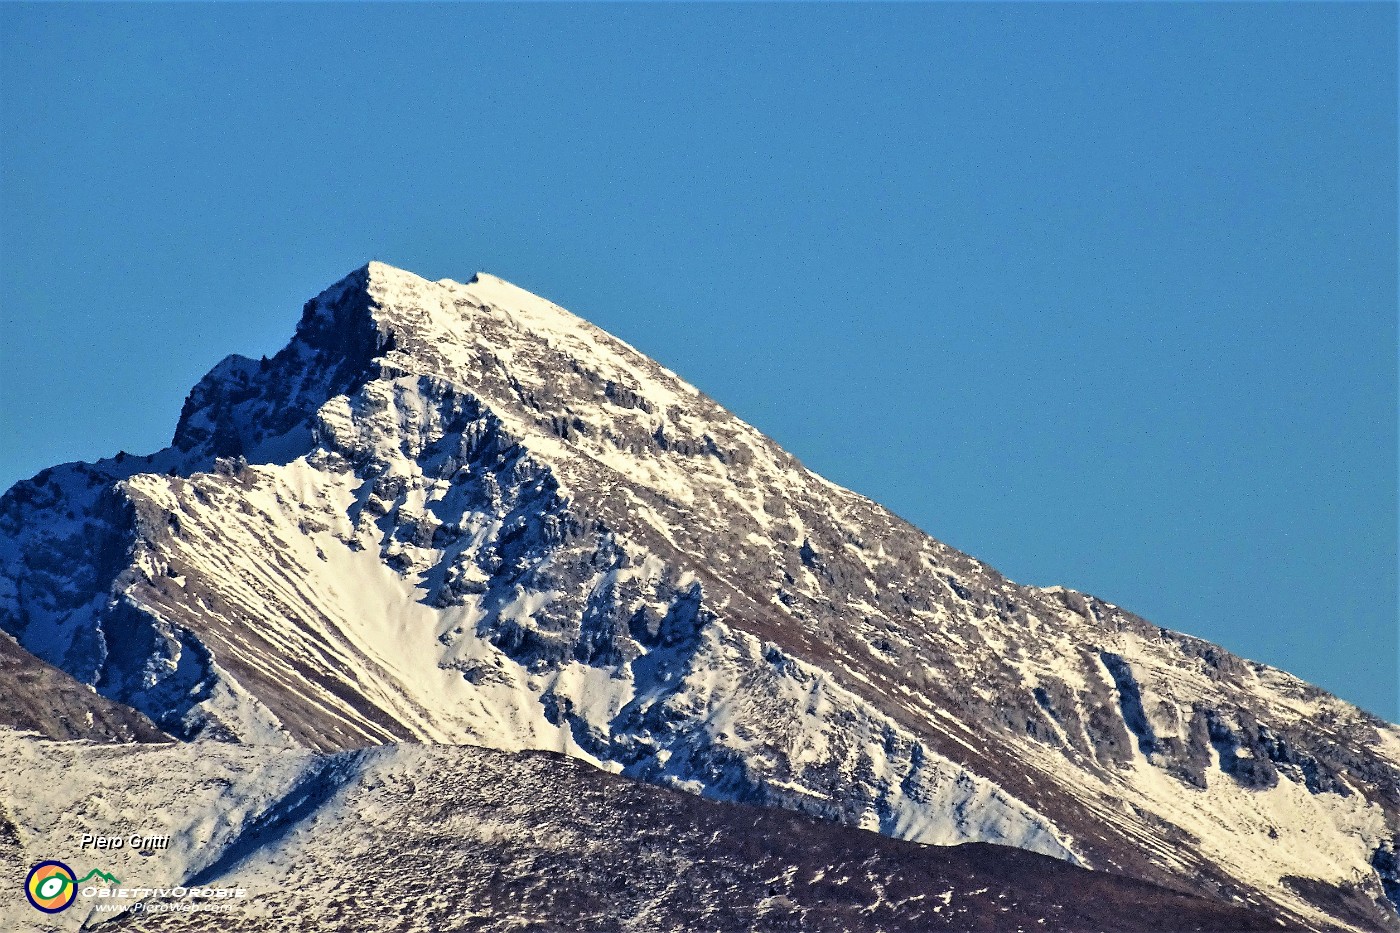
[51, 887]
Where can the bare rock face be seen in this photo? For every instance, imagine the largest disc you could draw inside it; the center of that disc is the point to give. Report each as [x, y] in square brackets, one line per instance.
[456, 513]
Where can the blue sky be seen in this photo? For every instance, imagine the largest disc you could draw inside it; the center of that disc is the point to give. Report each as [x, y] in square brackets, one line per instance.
[1103, 294]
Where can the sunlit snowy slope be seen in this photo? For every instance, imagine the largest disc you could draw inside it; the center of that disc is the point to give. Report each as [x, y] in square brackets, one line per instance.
[455, 513]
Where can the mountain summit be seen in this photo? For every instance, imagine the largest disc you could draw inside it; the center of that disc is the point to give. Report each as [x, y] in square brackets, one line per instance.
[458, 514]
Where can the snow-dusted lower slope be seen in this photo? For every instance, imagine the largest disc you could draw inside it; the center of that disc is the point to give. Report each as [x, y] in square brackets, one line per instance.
[456, 513]
[432, 838]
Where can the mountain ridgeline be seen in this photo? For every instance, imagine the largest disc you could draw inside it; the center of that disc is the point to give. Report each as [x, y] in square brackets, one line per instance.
[457, 514]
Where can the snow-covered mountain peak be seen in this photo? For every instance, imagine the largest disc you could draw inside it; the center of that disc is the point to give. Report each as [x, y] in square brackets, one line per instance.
[455, 512]
[448, 326]
[561, 386]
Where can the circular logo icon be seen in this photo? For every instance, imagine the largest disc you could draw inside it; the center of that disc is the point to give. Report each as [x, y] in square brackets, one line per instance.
[51, 887]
